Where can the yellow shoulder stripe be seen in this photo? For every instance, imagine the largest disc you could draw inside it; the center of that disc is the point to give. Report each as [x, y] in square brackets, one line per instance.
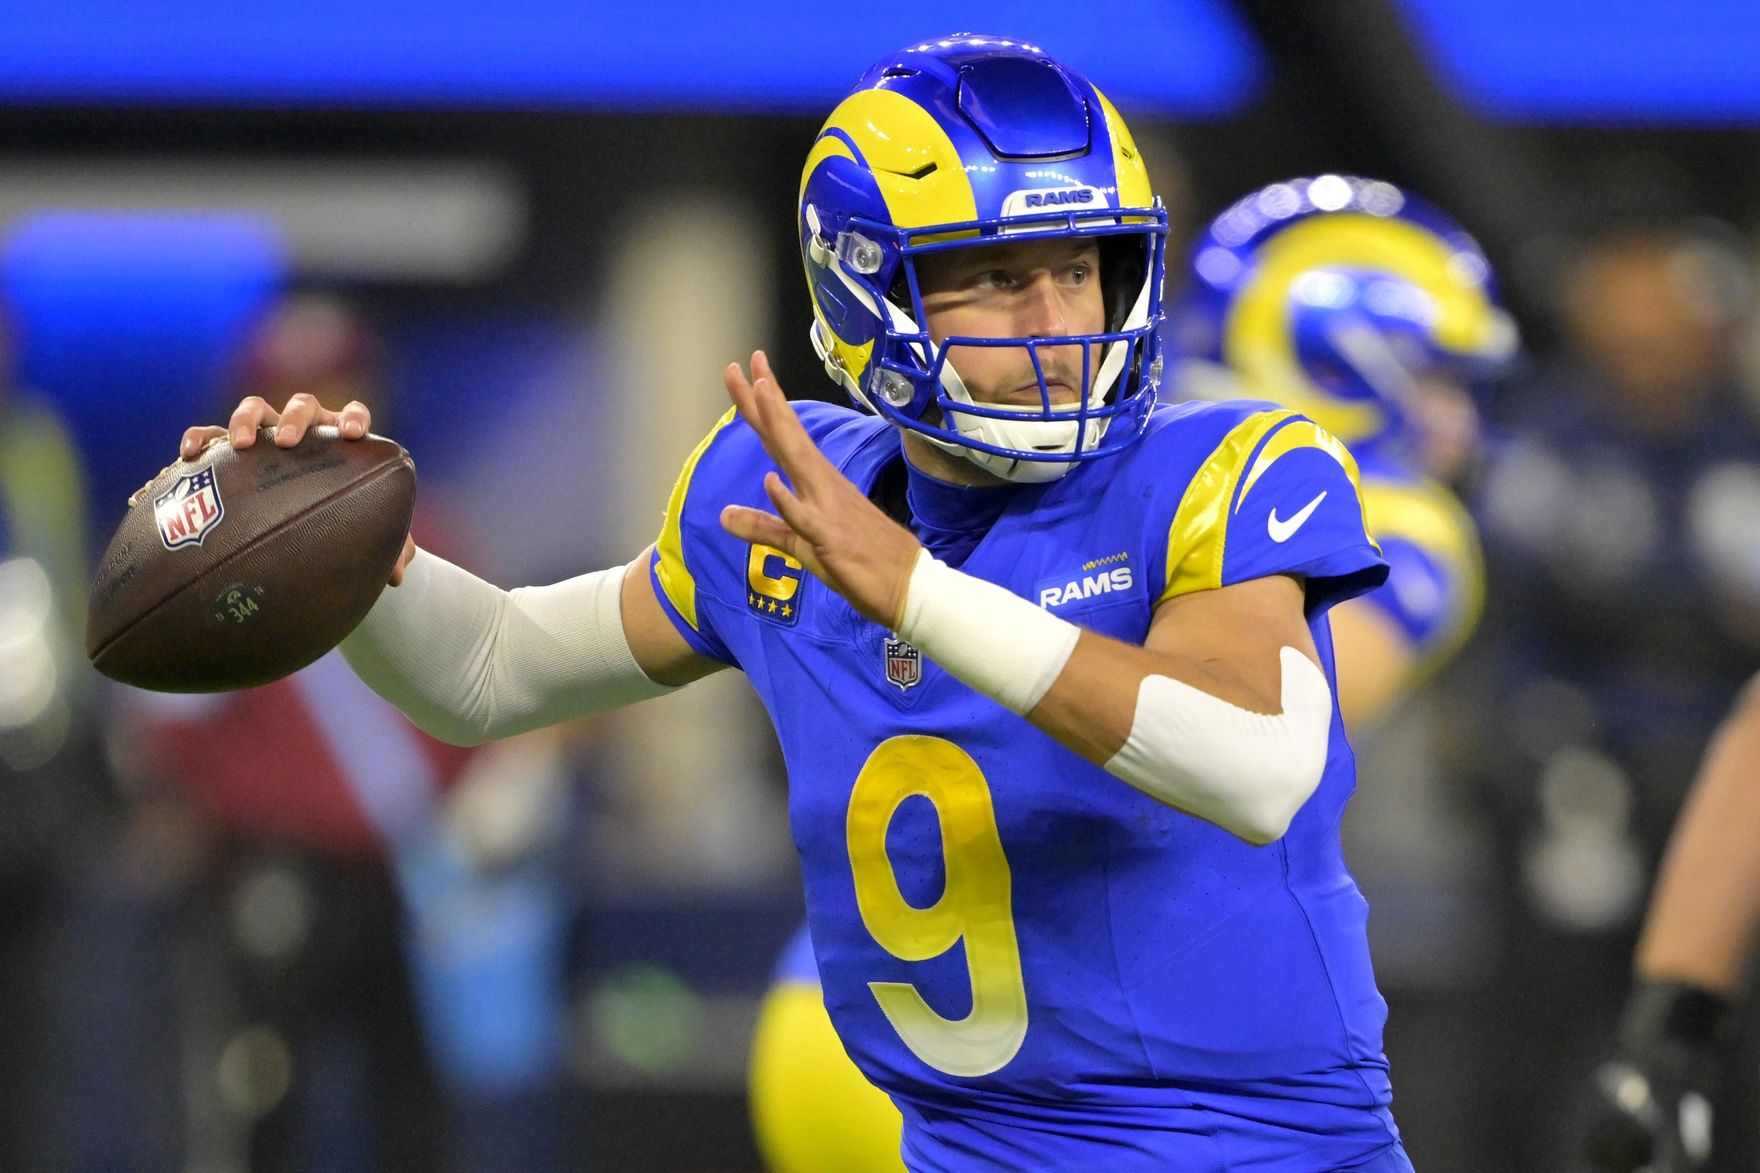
[1200, 524]
[1197, 539]
[1300, 434]
[675, 577]
[1307, 434]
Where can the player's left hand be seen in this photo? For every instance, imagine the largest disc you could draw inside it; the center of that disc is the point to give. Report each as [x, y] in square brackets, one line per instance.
[822, 521]
[1646, 1118]
[1651, 1106]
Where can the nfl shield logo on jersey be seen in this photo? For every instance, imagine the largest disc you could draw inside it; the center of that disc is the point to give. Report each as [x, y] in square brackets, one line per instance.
[904, 664]
[189, 510]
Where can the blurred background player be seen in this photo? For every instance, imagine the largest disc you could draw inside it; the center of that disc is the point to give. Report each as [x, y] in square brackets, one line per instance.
[1373, 314]
[811, 1107]
[1653, 1103]
[376, 984]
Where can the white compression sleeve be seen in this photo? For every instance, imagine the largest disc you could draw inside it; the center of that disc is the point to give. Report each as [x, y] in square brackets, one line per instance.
[469, 662]
[1244, 771]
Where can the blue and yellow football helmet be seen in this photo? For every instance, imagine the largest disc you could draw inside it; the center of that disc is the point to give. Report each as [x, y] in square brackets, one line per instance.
[970, 140]
[1333, 295]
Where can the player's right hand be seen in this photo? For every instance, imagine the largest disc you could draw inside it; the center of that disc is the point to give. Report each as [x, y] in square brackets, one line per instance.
[290, 423]
[1651, 1108]
[302, 411]
[821, 519]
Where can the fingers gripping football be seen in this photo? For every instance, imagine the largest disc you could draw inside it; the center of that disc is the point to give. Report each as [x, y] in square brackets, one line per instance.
[304, 410]
[821, 519]
[300, 413]
[290, 423]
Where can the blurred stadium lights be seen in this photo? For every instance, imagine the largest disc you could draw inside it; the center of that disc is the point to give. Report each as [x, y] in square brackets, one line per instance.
[34, 716]
[1178, 57]
[395, 221]
[1601, 61]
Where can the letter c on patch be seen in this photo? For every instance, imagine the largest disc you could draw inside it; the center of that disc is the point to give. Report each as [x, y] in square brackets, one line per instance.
[773, 574]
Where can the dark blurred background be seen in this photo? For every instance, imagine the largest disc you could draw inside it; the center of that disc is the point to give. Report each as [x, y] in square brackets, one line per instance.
[282, 931]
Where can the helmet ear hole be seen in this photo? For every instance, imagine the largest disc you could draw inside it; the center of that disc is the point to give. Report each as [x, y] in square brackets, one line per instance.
[1122, 268]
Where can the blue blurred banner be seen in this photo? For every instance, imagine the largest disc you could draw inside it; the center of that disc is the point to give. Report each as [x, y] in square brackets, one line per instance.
[1175, 57]
[1693, 62]
[128, 321]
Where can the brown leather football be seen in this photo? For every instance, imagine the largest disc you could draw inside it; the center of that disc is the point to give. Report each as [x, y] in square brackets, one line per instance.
[242, 566]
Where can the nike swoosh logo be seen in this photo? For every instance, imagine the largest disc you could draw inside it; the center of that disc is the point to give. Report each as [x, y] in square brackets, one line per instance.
[1283, 531]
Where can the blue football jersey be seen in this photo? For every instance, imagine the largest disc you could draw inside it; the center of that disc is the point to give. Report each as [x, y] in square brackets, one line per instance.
[1436, 579]
[1044, 967]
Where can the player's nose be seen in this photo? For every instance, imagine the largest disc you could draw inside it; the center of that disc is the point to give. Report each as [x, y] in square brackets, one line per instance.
[1042, 312]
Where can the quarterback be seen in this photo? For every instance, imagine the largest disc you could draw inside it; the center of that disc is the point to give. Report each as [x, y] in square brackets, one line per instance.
[1049, 661]
[1375, 315]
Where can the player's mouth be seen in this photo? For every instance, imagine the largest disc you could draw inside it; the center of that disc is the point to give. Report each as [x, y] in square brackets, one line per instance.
[1060, 393]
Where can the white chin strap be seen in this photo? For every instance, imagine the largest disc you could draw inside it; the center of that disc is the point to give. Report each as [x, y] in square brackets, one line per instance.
[1053, 437]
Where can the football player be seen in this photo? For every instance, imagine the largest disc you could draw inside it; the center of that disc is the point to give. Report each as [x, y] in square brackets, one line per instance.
[1373, 314]
[1049, 662]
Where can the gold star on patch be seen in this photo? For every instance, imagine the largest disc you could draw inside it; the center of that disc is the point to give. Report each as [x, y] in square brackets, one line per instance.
[772, 606]
[787, 610]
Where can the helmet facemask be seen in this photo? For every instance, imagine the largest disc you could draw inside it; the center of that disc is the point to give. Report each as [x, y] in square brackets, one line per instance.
[911, 381]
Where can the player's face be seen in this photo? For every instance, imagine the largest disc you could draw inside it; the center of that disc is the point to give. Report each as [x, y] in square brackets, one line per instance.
[1446, 421]
[1029, 289]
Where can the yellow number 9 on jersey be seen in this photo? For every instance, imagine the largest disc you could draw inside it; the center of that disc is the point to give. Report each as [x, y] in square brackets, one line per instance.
[974, 905]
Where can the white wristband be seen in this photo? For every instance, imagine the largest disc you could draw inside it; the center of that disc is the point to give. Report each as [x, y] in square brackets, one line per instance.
[985, 635]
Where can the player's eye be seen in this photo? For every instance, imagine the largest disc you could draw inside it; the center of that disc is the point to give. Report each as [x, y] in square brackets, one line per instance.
[993, 279]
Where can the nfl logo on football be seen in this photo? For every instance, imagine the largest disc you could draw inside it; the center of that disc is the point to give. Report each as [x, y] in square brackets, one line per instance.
[189, 510]
[904, 664]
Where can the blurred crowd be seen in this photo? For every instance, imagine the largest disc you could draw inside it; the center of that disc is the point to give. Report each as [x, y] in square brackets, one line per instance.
[282, 929]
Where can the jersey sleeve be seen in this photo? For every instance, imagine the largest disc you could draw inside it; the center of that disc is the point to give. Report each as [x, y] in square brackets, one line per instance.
[1277, 495]
[1436, 585]
[684, 557]
[712, 585]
